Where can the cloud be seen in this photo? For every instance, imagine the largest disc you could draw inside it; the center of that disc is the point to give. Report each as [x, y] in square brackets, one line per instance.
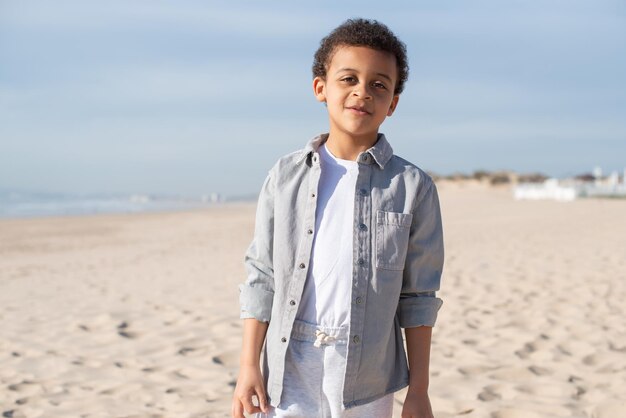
[75, 15]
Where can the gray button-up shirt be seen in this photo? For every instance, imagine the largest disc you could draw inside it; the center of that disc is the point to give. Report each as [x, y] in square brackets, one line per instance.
[398, 260]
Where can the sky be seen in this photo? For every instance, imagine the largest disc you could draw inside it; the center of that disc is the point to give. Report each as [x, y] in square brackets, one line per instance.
[195, 97]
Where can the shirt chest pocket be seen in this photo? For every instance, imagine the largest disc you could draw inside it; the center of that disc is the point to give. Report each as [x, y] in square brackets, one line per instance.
[392, 239]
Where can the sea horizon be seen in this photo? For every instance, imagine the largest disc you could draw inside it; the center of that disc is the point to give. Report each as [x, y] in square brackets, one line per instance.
[19, 204]
[16, 203]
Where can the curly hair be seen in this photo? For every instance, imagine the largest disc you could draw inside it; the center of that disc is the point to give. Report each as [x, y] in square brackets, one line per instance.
[362, 32]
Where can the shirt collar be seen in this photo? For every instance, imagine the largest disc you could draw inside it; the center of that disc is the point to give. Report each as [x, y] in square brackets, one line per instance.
[381, 151]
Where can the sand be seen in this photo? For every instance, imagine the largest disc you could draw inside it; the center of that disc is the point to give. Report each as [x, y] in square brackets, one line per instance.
[137, 315]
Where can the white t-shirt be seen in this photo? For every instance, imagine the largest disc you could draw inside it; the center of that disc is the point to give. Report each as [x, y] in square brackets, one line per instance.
[327, 290]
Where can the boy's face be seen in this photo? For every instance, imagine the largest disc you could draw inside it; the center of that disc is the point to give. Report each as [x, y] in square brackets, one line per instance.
[358, 90]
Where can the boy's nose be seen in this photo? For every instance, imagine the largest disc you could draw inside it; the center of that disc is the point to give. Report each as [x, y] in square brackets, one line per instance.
[362, 92]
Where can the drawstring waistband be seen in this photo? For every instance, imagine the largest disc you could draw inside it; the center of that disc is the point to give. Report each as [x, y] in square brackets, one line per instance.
[322, 338]
[319, 335]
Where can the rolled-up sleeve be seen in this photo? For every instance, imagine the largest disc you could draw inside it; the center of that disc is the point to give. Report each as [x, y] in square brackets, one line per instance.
[257, 293]
[419, 304]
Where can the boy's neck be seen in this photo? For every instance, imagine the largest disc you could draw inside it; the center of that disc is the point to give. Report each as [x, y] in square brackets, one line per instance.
[348, 147]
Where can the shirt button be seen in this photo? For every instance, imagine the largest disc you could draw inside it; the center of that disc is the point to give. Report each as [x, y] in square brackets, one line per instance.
[359, 300]
[302, 265]
[362, 227]
[310, 231]
[312, 194]
[364, 158]
[284, 339]
[292, 302]
[356, 339]
[361, 261]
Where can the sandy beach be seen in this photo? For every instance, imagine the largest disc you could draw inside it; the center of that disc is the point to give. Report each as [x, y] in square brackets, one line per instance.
[137, 315]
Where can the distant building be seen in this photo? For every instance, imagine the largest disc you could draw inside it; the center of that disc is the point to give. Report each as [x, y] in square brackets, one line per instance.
[214, 197]
[549, 189]
[597, 172]
[570, 189]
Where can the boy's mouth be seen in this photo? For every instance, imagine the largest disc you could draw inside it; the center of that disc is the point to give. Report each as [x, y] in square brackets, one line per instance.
[358, 110]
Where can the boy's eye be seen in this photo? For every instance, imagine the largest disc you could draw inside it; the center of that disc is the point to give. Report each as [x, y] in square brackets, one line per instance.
[379, 85]
[349, 79]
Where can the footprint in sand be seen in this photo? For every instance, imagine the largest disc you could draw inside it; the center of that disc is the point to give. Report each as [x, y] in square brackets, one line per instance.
[615, 347]
[188, 373]
[26, 387]
[592, 359]
[533, 346]
[554, 389]
[188, 351]
[475, 370]
[122, 330]
[488, 395]
[227, 359]
[511, 373]
[515, 413]
[540, 371]
[525, 351]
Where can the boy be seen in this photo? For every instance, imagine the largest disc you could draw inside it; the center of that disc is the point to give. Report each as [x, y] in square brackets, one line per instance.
[347, 250]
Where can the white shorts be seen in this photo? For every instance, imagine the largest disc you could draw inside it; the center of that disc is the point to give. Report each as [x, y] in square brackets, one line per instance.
[313, 380]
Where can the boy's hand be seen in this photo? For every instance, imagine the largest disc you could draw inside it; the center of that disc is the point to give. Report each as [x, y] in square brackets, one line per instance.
[417, 405]
[249, 383]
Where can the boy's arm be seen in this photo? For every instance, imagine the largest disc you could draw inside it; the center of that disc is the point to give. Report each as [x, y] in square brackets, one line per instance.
[250, 380]
[417, 403]
[253, 337]
[257, 293]
[418, 304]
[418, 351]
[256, 299]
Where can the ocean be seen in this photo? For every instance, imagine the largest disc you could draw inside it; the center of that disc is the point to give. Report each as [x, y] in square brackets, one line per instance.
[21, 204]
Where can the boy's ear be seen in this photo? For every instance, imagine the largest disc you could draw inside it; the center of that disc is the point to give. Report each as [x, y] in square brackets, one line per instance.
[319, 89]
[394, 104]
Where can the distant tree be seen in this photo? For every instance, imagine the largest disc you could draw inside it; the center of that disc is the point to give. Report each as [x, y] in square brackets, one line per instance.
[458, 176]
[480, 174]
[586, 177]
[500, 178]
[532, 178]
